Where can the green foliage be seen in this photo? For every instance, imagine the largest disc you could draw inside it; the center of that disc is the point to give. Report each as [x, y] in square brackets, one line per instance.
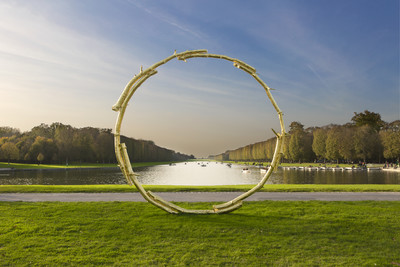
[352, 142]
[296, 149]
[40, 157]
[368, 118]
[9, 151]
[366, 142]
[258, 151]
[8, 131]
[319, 143]
[59, 143]
[268, 233]
[390, 141]
[296, 126]
[346, 143]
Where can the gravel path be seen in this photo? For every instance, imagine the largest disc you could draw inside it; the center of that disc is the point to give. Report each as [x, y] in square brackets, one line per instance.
[202, 196]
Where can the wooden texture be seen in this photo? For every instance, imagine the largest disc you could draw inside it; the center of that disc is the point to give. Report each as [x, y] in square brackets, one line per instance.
[122, 154]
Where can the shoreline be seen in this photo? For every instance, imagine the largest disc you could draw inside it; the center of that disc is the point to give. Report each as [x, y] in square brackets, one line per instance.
[56, 169]
[4, 167]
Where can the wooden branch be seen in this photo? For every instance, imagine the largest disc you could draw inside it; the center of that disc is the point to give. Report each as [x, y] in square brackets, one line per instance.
[123, 157]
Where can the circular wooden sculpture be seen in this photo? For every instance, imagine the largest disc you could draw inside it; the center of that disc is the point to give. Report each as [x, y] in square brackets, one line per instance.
[122, 154]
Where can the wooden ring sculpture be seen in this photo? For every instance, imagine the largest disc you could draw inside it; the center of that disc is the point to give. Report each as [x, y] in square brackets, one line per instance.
[122, 154]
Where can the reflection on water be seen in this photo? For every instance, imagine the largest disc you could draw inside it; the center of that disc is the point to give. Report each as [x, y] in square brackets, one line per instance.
[336, 177]
[193, 173]
[62, 177]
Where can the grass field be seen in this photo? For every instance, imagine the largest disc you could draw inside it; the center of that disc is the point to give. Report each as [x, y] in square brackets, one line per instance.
[265, 233]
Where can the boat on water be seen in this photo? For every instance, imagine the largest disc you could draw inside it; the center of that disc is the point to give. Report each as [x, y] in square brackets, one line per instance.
[337, 168]
[263, 169]
[245, 170]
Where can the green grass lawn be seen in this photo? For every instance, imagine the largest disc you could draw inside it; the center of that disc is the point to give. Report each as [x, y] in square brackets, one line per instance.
[267, 233]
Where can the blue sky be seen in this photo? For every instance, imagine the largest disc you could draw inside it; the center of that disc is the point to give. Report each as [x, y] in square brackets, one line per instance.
[68, 61]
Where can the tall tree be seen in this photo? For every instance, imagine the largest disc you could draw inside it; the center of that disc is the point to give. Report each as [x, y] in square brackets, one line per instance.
[366, 143]
[8, 131]
[371, 119]
[83, 144]
[332, 144]
[391, 144]
[295, 126]
[300, 144]
[44, 146]
[63, 136]
[104, 147]
[286, 153]
[43, 130]
[296, 148]
[9, 151]
[346, 143]
[40, 158]
[319, 143]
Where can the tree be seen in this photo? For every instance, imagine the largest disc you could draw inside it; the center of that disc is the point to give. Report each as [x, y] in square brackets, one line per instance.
[346, 143]
[63, 137]
[319, 143]
[9, 151]
[83, 144]
[391, 144]
[366, 143]
[24, 144]
[295, 126]
[371, 119]
[270, 147]
[40, 158]
[332, 144]
[296, 148]
[104, 147]
[300, 144]
[43, 130]
[286, 153]
[43, 145]
[8, 131]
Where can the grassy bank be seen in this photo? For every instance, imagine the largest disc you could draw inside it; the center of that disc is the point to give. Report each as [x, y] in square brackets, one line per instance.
[223, 188]
[259, 234]
[72, 166]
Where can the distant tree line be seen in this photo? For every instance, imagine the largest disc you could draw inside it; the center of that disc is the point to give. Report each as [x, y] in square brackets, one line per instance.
[59, 143]
[366, 138]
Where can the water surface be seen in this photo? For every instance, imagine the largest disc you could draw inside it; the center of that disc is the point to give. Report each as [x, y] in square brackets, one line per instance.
[197, 173]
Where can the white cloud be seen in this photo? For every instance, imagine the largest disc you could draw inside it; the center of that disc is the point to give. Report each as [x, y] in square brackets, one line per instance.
[166, 17]
[51, 72]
